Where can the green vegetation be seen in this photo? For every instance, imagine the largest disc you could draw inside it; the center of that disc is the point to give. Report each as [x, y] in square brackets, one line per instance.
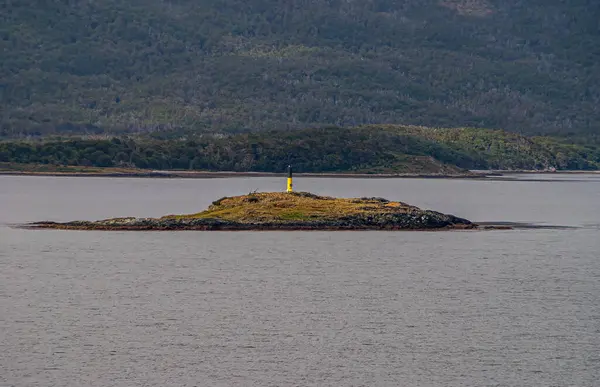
[281, 207]
[66, 67]
[40, 169]
[370, 149]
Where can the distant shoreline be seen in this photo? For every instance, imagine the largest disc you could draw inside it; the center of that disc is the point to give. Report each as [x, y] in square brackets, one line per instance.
[173, 174]
[215, 175]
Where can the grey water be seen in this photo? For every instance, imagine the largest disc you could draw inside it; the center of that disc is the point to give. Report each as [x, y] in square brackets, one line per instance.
[459, 308]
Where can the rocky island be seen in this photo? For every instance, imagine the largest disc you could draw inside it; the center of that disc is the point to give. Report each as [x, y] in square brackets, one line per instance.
[284, 211]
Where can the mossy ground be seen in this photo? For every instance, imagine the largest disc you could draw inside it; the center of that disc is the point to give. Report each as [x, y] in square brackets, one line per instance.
[295, 206]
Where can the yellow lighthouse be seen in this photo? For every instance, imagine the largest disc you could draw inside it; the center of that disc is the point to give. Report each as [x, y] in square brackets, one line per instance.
[290, 185]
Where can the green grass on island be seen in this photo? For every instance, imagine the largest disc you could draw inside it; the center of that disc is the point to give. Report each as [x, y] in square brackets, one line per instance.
[294, 206]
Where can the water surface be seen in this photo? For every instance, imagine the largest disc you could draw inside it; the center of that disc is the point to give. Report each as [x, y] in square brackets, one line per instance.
[501, 308]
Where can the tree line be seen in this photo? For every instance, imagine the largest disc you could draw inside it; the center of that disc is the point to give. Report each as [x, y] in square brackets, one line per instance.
[331, 149]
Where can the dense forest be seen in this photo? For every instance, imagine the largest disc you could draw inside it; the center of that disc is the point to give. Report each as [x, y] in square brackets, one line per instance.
[235, 66]
[372, 149]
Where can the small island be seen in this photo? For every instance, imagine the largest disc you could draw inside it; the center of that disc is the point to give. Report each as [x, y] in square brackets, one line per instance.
[284, 211]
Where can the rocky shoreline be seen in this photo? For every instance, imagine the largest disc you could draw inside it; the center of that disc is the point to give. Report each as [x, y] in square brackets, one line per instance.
[419, 220]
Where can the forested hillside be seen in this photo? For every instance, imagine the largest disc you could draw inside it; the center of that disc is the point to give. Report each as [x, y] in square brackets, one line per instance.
[374, 149]
[530, 66]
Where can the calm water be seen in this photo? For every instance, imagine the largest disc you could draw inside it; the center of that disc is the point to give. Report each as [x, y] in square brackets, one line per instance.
[496, 308]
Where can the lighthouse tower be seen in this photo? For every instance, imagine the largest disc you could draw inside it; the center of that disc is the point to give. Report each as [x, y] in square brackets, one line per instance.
[290, 184]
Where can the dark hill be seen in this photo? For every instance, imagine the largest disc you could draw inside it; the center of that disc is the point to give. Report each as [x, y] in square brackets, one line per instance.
[234, 65]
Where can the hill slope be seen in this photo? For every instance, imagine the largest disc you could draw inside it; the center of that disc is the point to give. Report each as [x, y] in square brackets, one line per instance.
[237, 65]
[368, 149]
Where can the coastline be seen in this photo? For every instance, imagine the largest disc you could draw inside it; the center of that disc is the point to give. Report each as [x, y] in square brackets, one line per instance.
[226, 174]
[180, 174]
[252, 227]
[221, 175]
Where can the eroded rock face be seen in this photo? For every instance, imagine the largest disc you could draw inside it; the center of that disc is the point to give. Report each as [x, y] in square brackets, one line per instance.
[417, 220]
